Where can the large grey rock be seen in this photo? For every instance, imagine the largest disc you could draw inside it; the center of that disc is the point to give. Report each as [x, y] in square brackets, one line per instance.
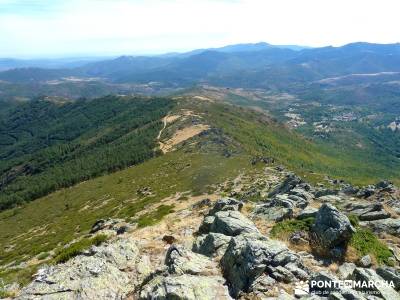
[283, 200]
[182, 261]
[346, 270]
[205, 226]
[299, 202]
[330, 232]
[301, 193]
[280, 207]
[368, 212]
[99, 274]
[349, 189]
[250, 256]
[211, 244]
[226, 204]
[366, 276]
[365, 261]
[328, 287]
[390, 274]
[330, 199]
[290, 182]
[185, 287]
[308, 212]
[385, 186]
[375, 215]
[272, 213]
[394, 204]
[391, 226]
[325, 192]
[188, 276]
[366, 192]
[230, 223]
[261, 286]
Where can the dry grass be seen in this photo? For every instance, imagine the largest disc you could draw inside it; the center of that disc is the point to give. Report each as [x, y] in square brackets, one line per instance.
[263, 225]
[390, 210]
[333, 267]
[181, 136]
[351, 255]
[181, 224]
[300, 247]
[203, 98]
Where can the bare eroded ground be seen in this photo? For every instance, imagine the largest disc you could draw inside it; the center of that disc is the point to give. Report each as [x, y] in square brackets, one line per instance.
[181, 136]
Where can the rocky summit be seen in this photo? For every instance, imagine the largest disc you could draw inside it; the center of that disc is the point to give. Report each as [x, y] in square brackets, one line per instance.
[231, 249]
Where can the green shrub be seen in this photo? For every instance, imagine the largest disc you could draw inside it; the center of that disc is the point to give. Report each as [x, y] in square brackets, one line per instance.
[353, 220]
[282, 230]
[43, 255]
[77, 248]
[23, 276]
[154, 217]
[6, 294]
[365, 242]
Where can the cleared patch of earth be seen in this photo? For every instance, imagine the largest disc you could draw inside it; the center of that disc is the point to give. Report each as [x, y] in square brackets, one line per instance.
[181, 136]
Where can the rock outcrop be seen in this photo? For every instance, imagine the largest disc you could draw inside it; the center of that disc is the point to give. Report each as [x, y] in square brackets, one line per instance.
[229, 257]
[367, 276]
[99, 274]
[188, 276]
[251, 263]
[211, 244]
[290, 182]
[390, 226]
[331, 232]
[368, 212]
[254, 263]
[227, 222]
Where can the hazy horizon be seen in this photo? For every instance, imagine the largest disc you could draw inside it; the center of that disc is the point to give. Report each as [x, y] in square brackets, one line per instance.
[89, 28]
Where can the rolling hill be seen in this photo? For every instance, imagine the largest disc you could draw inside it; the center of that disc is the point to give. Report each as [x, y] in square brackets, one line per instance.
[72, 154]
[110, 145]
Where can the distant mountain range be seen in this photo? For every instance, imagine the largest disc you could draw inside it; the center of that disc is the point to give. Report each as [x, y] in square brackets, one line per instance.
[12, 63]
[249, 65]
[74, 62]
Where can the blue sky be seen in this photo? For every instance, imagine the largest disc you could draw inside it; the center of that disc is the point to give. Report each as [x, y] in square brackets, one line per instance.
[33, 28]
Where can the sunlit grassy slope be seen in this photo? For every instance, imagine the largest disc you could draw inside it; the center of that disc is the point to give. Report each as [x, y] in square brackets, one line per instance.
[196, 167]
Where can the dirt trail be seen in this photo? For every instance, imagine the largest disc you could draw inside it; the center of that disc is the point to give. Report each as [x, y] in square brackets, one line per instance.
[162, 129]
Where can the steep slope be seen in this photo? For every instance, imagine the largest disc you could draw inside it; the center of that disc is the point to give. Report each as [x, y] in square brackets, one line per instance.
[52, 143]
[210, 144]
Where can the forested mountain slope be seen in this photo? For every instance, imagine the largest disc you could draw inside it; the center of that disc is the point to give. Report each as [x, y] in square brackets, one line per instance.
[48, 144]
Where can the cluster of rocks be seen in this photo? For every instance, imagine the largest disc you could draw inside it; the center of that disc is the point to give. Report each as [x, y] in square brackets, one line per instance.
[282, 202]
[230, 258]
[251, 262]
[367, 211]
[380, 188]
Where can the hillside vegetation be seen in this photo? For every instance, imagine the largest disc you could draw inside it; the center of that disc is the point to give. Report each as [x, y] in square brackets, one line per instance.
[144, 193]
[47, 145]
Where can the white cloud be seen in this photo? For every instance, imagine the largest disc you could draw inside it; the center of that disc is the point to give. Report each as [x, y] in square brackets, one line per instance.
[124, 26]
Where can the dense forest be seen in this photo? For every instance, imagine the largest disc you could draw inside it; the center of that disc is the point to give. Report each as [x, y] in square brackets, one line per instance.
[48, 144]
